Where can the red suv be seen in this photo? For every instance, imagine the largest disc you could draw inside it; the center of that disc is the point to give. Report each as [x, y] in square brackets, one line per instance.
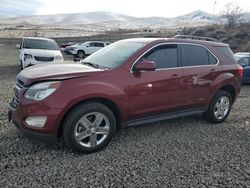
[129, 82]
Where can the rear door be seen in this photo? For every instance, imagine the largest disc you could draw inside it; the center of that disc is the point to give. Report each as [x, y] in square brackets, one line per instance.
[200, 69]
[156, 92]
[97, 46]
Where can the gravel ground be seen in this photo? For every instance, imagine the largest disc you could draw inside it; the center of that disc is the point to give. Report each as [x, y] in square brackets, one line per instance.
[185, 152]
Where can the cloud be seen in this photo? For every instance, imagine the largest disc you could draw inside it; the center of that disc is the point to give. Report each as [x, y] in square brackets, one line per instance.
[17, 7]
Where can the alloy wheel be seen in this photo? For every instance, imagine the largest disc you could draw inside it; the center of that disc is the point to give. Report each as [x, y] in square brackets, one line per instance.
[221, 107]
[92, 129]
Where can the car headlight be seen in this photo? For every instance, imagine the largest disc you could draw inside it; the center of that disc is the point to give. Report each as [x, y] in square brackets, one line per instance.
[58, 57]
[27, 56]
[40, 91]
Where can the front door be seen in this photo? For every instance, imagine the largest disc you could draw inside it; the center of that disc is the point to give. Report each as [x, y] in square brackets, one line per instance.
[156, 92]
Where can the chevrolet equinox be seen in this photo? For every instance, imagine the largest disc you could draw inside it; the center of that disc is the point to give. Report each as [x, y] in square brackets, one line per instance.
[129, 82]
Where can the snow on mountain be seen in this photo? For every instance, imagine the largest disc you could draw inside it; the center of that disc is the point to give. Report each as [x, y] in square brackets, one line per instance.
[68, 19]
[110, 20]
[198, 15]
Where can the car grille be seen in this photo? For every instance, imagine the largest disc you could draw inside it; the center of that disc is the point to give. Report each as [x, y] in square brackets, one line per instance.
[20, 84]
[19, 87]
[43, 58]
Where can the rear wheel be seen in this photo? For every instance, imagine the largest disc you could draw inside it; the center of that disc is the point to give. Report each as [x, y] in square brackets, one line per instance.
[80, 54]
[89, 127]
[220, 107]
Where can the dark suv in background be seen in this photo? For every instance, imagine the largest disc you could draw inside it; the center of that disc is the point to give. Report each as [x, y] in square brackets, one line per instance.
[129, 82]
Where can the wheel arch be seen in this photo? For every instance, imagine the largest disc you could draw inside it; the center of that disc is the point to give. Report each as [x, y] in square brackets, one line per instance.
[230, 89]
[107, 102]
[80, 50]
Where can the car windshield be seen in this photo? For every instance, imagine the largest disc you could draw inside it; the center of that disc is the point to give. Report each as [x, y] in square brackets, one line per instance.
[114, 54]
[40, 44]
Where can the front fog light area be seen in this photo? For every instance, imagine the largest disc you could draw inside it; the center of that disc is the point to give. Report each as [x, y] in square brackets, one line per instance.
[36, 121]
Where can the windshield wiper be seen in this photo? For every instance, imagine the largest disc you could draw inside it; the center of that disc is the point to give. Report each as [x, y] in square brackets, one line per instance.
[94, 65]
[91, 64]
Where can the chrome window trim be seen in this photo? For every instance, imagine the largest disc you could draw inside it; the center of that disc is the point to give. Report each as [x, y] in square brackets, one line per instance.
[218, 61]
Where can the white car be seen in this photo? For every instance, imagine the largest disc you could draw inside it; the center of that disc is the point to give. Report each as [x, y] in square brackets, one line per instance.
[34, 50]
[87, 48]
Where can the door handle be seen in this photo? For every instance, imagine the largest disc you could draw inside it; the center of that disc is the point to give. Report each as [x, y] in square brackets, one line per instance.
[174, 77]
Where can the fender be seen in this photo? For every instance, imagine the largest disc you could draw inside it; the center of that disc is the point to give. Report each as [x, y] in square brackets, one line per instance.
[89, 91]
[224, 79]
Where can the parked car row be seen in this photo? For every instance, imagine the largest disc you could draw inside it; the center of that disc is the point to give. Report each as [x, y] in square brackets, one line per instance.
[129, 82]
[34, 50]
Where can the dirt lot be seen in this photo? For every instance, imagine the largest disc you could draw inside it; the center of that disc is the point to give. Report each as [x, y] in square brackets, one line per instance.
[186, 152]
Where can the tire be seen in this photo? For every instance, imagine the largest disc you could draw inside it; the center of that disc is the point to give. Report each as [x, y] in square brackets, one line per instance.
[81, 127]
[80, 54]
[218, 112]
[21, 65]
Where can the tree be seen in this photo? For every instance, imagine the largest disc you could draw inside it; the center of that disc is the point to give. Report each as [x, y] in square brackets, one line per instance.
[232, 13]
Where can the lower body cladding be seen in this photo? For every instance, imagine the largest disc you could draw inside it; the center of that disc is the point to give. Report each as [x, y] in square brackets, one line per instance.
[36, 121]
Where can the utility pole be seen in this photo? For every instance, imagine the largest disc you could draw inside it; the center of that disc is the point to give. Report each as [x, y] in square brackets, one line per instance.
[215, 2]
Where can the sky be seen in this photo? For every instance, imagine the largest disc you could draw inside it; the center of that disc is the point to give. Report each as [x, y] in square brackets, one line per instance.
[137, 8]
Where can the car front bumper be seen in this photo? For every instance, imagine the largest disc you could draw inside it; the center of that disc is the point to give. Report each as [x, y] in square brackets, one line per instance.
[48, 133]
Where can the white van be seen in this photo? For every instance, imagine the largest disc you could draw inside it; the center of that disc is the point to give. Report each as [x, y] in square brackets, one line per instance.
[34, 50]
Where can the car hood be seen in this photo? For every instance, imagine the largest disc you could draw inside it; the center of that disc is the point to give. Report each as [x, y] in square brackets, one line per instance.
[42, 53]
[56, 71]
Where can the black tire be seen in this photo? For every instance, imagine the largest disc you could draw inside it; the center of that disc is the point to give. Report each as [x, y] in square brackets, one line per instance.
[71, 124]
[81, 54]
[21, 65]
[210, 114]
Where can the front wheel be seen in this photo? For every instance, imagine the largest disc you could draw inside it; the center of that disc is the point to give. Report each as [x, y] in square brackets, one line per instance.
[219, 107]
[80, 54]
[89, 127]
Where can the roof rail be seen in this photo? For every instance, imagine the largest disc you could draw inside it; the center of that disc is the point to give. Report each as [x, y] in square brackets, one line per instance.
[194, 37]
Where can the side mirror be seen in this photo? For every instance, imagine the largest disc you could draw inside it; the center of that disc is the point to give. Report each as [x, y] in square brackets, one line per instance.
[18, 46]
[145, 66]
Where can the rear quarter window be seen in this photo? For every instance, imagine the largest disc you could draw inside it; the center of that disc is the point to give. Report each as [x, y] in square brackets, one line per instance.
[227, 53]
[196, 55]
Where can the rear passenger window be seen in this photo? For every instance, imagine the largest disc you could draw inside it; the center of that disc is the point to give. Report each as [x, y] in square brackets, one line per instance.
[244, 61]
[97, 44]
[165, 56]
[212, 59]
[193, 55]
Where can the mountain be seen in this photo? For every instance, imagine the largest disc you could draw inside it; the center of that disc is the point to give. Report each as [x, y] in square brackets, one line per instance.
[68, 19]
[198, 15]
[110, 20]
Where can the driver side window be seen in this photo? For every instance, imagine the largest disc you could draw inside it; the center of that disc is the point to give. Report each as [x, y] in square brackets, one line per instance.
[165, 56]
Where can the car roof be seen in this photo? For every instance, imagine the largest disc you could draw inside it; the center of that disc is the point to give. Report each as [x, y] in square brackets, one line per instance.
[175, 40]
[38, 38]
[242, 54]
[96, 41]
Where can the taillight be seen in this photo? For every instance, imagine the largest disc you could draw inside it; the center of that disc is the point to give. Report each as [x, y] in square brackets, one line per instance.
[240, 71]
